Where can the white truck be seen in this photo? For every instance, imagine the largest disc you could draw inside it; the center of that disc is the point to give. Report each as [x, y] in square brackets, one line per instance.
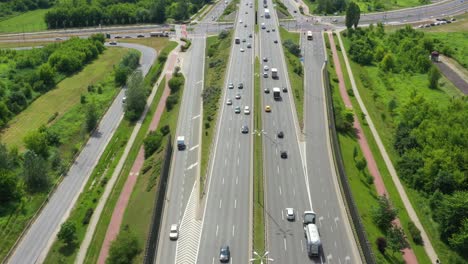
[180, 142]
[274, 73]
[267, 13]
[313, 243]
[276, 93]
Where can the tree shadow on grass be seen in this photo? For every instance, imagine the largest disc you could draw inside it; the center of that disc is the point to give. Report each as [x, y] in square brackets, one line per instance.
[68, 249]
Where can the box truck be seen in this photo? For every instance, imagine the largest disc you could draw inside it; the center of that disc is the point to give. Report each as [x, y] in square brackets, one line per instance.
[276, 93]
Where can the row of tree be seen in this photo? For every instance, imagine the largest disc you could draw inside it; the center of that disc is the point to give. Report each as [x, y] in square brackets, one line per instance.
[79, 14]
[10, 7]
[34, 72]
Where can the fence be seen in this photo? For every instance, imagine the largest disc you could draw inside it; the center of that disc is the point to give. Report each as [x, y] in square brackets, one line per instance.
[338, 159]
[153, 235]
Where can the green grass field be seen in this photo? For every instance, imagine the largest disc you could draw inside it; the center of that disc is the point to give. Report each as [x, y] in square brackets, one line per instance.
[61, 99]
[30, 21]
[214, 77]
[382, 119]
[368, 6]
[297, 81]
[258, 211]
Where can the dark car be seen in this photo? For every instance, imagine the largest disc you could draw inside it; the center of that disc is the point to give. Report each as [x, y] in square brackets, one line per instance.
[267, 90]
[224, 254]
[128, 37]
[240, 86]
[244, 129]
[275, 41]
[117, 37]
[140, 36]
[285, 90]
[280, 134]
[284, 154]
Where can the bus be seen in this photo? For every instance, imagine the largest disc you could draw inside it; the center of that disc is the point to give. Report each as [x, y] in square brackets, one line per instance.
[309, 35]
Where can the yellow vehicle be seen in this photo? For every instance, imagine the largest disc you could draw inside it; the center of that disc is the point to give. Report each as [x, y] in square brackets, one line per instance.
[267, 108]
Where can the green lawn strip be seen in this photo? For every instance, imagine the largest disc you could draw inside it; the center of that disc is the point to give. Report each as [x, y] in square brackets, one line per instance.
[281, 8]
[30, 21]
[458, 43]
[61, 99]
[141, 202]
[19, 44]
[297, 81]
[363, 4]
[258, 206]
[214, 81]
[230, 8]
[403, 86]
[389, 185]
[101, 228]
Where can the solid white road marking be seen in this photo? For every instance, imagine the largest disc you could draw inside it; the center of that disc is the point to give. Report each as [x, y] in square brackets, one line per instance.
[194, 147]
[195, 117]
[277, 168]
[235, 203]
[237, 179]
[225, 161]
[279, 189]
[233, 229]
[223, 181]
[220, 202]
[237, 160]
[294, 191]
[285, 249]
[217, 227]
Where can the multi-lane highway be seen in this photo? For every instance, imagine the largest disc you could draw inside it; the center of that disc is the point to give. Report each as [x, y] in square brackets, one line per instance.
[227, 213]
[34, 245]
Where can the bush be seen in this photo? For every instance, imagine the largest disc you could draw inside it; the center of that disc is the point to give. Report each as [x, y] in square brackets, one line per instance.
[152, 143]
[171, 101]
[124, 249]
[415, 233]
[292, 47]
[165, 130]
[381, 244]
[87, 216]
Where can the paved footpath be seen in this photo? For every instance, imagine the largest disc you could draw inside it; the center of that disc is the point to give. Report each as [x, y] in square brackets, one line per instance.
[122, 202]
[408, 254]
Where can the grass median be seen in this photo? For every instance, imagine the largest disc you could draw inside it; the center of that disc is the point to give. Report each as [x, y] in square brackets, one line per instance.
[258, 206]
[290, 42]
[30, 21]
[216, 63]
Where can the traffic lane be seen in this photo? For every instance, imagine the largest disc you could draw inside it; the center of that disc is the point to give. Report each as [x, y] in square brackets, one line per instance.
[332, 223]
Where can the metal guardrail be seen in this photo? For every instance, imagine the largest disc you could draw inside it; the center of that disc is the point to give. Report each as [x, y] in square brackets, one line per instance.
[366, 250]
[153, 235]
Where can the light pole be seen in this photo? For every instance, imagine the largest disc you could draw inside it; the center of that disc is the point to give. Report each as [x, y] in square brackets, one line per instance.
[262, 258]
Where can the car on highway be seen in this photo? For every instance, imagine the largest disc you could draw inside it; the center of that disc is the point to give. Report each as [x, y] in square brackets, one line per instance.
[124, 99]
[244, 129]
[240, 22]
[113, 43]
[265, 59]
[58, 38]
[174, 233]
[273, 29]
[245, 25]
[249, 45]
[265, 74]
[266, 68]
[267, 109]
[250, 35]
[281, 134]
[263, 26]
[266, 90]
[246, 12]
[117, 37]
[268, 31]
[290, 214]
[238, 96]
[335, 20]
[244, 40]
[229, 102]
[240, 85]
[140, 36]
[242, 50]
[246, 110]
[237, 110]
[284, 154]
[231, 86]
[275, 41]
[285, 90]
[224, 254]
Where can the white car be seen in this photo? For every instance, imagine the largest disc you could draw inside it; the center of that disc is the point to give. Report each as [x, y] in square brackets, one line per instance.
[242, 50]
[290, 214]
[265, 59]
[229, 102]
[174, 233]
[265, 74]
[240, 22]
[266, 68]
[246, 110]
[238, 96]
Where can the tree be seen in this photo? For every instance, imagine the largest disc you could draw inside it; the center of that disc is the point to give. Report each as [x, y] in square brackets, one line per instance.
[396, 238]
[35, 171]
[452, 211]
[67, 233]
[175, 83]
[91, 117]
[459, 240]
[388, 63]
[361, 164]
[10, 190]
[124, 249]
[292, 47]
[353, 14]
[415, 233]
[46, 74]
[120, 75]
[158, 11]
[37, 142]
[136, 96]
[384, 213]
[152, 143]
[381, 244]
[434, 76]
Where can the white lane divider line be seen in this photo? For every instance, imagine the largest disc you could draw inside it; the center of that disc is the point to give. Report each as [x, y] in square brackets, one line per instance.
[195, 117]
[235, 204]
[194, 147]
[220, 203]
[191, 166]
[233, 230]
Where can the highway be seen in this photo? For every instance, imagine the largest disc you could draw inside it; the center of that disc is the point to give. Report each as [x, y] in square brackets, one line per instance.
[227, 213]
[286, 181]
[36, 242]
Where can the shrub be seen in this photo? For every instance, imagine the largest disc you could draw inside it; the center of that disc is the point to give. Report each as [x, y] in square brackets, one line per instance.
[381, 244]
[87, 216]
[415, 233]
[152, 143]
[165, 130]
[171, 101]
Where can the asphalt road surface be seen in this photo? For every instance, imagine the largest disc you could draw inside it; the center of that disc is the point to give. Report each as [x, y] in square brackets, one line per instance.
[227, 215]
[36, 242]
